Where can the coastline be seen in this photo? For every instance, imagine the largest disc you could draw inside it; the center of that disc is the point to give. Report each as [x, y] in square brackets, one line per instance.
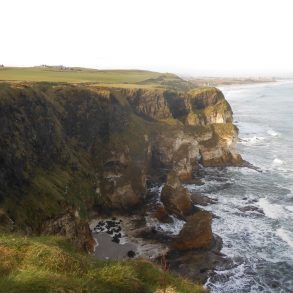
[218, 82]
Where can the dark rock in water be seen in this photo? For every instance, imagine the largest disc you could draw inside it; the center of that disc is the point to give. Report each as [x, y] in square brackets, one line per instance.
[175, 197]
[116, 239]
[117, 230]
[110, 232]
[194, 181]
[244, 198]
[196, 233]
[114, 219]
[199, 199]
[131, 254]
[117, 235]
[275, 284]
[251, 209]
[161, 215]
[198, 264]
[110, 224]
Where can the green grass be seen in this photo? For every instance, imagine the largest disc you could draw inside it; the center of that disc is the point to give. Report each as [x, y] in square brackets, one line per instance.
[94, 77]
[77, 75]
[51, 264]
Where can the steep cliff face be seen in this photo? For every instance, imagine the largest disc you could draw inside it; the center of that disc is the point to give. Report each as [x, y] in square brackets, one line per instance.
[83, 146]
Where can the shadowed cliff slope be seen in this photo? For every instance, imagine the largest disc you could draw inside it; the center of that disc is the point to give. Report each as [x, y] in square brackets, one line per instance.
[79, 146]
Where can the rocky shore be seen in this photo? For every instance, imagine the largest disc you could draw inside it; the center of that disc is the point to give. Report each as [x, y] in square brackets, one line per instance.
[81, 152]
[185, 239]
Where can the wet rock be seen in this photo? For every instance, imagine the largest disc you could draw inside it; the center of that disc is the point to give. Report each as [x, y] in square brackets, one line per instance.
[161, 215]
[250, 209]
[194, 181]
[116, 239]
[131, 254]
[199, 199]
[196, 233]
[198, 264]
[175, 197]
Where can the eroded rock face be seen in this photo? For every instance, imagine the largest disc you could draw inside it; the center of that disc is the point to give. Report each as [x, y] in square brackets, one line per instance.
[196, 233]
[98, 146]
[219, 147]
[149, 103]
[175, 197]
[178, 151]
[71, 227]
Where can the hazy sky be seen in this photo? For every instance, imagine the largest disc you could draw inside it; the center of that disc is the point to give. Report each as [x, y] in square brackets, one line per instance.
[205, 37]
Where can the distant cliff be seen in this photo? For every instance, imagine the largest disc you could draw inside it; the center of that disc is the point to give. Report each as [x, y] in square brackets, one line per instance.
[68, 146]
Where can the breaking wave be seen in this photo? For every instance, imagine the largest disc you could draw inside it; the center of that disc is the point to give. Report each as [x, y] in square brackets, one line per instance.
[286, 236]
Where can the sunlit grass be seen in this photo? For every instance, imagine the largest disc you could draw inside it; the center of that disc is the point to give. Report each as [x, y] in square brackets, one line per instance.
[51, 264]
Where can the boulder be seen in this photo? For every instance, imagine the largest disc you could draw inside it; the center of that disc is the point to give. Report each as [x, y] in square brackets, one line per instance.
[196, 233]
[175, 197]
[161, 215]
[71, 227]
[202, 200]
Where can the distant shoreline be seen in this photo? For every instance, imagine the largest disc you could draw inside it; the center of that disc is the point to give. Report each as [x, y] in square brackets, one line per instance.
[229, 81]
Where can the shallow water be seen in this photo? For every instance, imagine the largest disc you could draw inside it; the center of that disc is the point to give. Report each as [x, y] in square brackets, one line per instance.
[260, 238]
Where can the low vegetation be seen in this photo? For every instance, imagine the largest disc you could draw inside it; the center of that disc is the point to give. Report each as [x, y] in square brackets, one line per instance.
[51, 264]
[112, 78]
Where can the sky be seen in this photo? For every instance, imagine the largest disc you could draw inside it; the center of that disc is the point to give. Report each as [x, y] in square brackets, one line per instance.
[192, 37]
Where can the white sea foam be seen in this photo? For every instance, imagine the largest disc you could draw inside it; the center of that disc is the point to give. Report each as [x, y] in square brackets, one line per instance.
[272, 132]
[277, 162]
[289, 208]
[169, 228]
[243, 170]
[273, 211]
[285, 235]
[252, 140]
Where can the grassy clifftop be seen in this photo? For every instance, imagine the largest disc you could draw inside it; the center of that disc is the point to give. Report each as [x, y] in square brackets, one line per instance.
[51, 264]
[112, 78]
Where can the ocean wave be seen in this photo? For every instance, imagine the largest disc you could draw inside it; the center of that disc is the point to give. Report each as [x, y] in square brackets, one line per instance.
[173, 228]
[285, 235]
[289, 208]
[273, 132]
[273, 211]
[251, 140]
[277, 162]
[209, 186]
[243, 170]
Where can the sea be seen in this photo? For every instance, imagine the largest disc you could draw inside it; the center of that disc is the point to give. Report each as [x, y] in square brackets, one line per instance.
[254, 209]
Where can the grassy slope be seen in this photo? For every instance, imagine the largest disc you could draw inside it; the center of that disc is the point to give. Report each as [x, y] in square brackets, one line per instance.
[76, 75]
[107, 78]
[51, 264]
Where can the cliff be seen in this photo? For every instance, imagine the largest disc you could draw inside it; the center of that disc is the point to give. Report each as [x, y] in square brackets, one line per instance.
[85, 146]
